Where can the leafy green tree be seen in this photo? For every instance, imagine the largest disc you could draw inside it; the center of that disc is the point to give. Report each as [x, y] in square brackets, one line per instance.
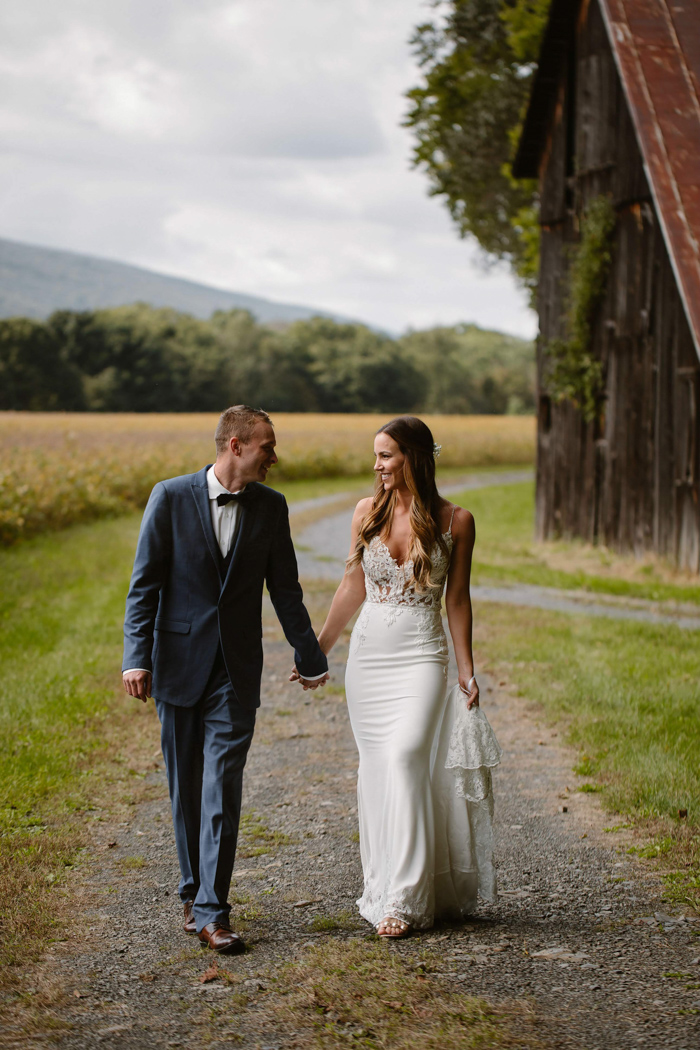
[135, 358]
[128, 359]
[36, 373]
[257, 370]
[466, 369]
[81, 338]
[477, 58]
[353, 368]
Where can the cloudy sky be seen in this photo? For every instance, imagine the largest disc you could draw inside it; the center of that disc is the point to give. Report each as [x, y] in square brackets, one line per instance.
[254, 145]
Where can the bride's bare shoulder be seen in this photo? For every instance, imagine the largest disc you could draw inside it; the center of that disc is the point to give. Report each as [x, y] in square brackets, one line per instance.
[363, 508]
[462, 520]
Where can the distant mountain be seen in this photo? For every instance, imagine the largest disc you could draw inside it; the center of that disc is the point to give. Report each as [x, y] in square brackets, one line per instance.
[36, 281]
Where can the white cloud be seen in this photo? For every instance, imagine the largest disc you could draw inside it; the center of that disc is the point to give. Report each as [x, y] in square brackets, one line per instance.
[253, 144]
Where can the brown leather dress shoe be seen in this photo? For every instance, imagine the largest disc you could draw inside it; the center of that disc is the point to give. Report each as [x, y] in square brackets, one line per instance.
[221, 939]
[190, 925]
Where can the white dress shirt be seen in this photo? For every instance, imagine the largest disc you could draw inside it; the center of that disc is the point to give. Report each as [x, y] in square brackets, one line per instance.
[223, 520]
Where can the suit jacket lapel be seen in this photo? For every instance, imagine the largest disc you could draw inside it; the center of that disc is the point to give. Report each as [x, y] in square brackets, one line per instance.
[201, 499]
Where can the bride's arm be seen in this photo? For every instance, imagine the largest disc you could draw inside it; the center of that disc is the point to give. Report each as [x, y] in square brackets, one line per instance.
[351, 592]
[458, 602]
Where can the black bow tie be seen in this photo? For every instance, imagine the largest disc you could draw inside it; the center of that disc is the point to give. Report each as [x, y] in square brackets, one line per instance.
[243, 497]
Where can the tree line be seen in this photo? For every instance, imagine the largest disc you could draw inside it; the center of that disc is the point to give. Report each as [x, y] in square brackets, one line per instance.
[139, 359]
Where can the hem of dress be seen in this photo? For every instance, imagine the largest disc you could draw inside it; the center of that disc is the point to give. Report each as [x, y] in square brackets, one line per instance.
[368, 914]
[425, 922]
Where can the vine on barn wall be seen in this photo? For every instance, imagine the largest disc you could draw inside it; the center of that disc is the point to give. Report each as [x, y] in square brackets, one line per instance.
[573, 372]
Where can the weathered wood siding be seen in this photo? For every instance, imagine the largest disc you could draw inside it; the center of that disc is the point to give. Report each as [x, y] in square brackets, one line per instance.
[629, 479]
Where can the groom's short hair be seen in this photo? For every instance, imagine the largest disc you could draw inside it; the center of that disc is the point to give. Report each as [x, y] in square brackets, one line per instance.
[238, 421]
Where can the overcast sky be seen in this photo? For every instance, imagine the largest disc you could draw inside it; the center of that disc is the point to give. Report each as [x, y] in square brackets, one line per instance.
[254, 145]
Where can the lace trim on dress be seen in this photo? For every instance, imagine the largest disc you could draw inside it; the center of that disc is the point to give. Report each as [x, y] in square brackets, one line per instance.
[472, 751]
[359, 631]
[409, 907]
[387, 582]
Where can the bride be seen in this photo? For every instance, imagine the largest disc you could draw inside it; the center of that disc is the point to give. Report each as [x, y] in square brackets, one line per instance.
[425, 834]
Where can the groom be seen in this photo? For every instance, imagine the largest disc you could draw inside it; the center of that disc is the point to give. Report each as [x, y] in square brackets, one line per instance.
[193, 640]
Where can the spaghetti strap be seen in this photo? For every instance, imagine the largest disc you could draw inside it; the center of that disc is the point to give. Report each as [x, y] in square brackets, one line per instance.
[454, 508]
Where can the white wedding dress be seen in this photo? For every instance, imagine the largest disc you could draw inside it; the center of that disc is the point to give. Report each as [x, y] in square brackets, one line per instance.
[425, 804]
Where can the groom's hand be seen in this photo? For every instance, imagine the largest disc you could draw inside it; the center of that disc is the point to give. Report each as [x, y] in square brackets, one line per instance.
[313, 684]
[138, 683]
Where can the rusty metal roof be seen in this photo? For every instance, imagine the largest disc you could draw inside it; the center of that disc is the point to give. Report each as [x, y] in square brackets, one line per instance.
[656, 46]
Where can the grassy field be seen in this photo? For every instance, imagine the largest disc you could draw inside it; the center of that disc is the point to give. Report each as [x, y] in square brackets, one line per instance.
[58, 469]
[626, 692]
[71, 746]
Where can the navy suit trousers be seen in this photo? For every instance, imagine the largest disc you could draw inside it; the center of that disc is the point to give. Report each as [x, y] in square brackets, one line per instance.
[205, 749]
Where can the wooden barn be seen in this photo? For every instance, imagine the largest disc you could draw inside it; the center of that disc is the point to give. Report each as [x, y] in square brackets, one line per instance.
[615, 113]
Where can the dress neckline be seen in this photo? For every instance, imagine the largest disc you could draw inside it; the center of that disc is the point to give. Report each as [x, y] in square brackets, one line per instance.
[400, 564]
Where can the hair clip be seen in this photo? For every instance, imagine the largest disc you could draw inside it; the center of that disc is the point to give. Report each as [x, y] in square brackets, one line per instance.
[437, 449]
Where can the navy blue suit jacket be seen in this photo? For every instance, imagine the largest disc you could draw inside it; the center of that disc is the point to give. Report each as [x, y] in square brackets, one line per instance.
[178, 609]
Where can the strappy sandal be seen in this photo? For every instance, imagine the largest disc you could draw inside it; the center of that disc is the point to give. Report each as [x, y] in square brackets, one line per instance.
[393, 928]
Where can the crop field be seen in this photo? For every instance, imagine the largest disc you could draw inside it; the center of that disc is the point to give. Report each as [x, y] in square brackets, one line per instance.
[57, 469]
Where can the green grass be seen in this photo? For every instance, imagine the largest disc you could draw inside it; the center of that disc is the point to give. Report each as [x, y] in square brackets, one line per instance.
[627, 694]
[506, 553]
[257, 839]
[586, 767]
[132, 864]
[61, 609]
[342, 920]
[68, 736]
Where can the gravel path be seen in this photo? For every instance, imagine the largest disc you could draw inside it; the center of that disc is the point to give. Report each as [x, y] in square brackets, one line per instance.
[580, 932]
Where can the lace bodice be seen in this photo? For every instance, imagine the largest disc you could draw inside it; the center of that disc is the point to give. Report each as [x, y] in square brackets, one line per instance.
[388, 582]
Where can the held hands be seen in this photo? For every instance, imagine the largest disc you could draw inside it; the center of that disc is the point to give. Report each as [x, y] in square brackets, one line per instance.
[296, 677]
[138, 683]
[469, 686]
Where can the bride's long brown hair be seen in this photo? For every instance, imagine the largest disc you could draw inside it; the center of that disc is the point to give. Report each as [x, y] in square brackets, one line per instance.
[416, 442]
